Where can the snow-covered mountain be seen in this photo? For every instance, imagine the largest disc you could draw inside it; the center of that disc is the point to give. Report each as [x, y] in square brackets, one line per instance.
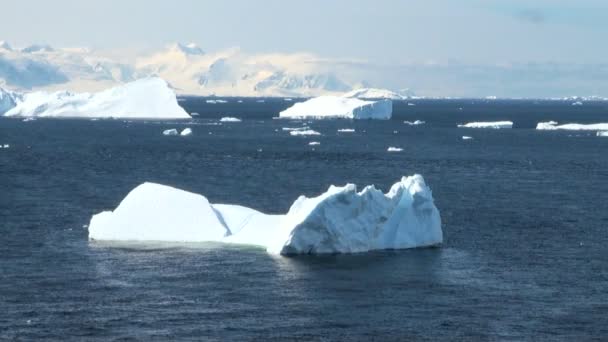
[187, 68]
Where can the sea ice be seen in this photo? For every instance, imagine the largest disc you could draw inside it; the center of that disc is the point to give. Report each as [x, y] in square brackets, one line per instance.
[494, 125]
[332, 107]
[552, 125]
[148, 98]
[340, 220]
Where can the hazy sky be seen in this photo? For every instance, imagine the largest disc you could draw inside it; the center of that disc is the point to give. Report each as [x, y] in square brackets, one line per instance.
[383, 31]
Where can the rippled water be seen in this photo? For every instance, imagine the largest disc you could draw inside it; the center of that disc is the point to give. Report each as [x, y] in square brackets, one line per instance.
[525, 217]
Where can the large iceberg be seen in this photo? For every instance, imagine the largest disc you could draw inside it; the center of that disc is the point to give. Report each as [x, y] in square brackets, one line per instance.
[493, 124]
[552, 125]
[331, 107]
[7, 100]
[374, 94]
[340, 220]
[148, 98]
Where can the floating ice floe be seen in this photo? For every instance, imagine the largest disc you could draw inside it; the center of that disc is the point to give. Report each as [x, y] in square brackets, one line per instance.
[332, 107]
[414, 123]
[314, 143]
[304, 132]
[5, 146]
[194, 114]
[394, 149]
[148, 98]
[346, 130]
[602, 134]
[28, 119]
[186, 131]
[229, 119]
[552, 125]
[340, 220]
[171, 131]
[466, 137]
[494, 124]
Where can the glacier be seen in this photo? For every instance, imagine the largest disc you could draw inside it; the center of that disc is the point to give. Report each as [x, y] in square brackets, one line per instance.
[332, 107]
[147, 98]
[552, 125]
[341, 220]
[494, 124]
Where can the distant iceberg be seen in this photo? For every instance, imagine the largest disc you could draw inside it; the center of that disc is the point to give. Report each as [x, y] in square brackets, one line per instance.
[494, 124]
[394, 149]
[229, 119]
[466, 137]
[304, 132]
[314, 143]
[148, 98]
[186, 131]
[340, 220]
[332, 107]
[552, 125]
[171, 131]
[346, 130]
[374, 94]
[602, 134]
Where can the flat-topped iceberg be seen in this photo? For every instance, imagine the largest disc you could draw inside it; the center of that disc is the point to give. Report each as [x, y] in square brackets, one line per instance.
[340, 220]
[335, 107]
[493, 124]
[148, 98]
[552, 125]
[374, 94]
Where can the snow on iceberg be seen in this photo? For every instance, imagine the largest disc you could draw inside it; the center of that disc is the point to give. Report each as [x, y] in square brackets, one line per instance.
[494, 124]
[148, 98]
[373, 94]
[332, 107]
[552, 125]
[229, 119]
[341, 220]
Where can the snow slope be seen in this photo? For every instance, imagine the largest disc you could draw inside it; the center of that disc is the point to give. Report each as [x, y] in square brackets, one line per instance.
[340, 220]
[331, 107]
[552, 125]
[149, 98]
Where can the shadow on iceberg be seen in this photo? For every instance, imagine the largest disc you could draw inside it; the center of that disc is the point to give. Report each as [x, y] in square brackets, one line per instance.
[341, 220]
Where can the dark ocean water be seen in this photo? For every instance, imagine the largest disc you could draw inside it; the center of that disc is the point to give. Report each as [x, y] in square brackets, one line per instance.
[525, 219]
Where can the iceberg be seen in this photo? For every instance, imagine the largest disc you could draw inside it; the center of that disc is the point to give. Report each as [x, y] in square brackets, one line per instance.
[332, 107]
[341, 220]
[466, 137]
[304, 132]
[373, 94]
[494, 125]
[148, 98]
[602, 134]
[394, 149]
[314, 143]
[552, 125]
[186, 131]
[346, 130]
[229, 119]
[171, 131]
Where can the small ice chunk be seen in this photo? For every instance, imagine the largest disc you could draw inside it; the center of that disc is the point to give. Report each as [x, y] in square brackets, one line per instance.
[394, 149]
[230, 119]
[466, 137]
[346, 130]
[314, 143]
[304, 132]
[414, 123]
[194, 114]
[187, 131]
[171, 131]
[493, 124]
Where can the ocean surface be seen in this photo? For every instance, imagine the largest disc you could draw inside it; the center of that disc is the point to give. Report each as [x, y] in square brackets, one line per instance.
[525, 220]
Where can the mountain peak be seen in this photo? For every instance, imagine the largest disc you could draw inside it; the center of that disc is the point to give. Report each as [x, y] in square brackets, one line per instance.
[188, 49]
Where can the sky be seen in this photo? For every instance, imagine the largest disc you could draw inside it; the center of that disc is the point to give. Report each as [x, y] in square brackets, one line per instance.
[379, 31]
